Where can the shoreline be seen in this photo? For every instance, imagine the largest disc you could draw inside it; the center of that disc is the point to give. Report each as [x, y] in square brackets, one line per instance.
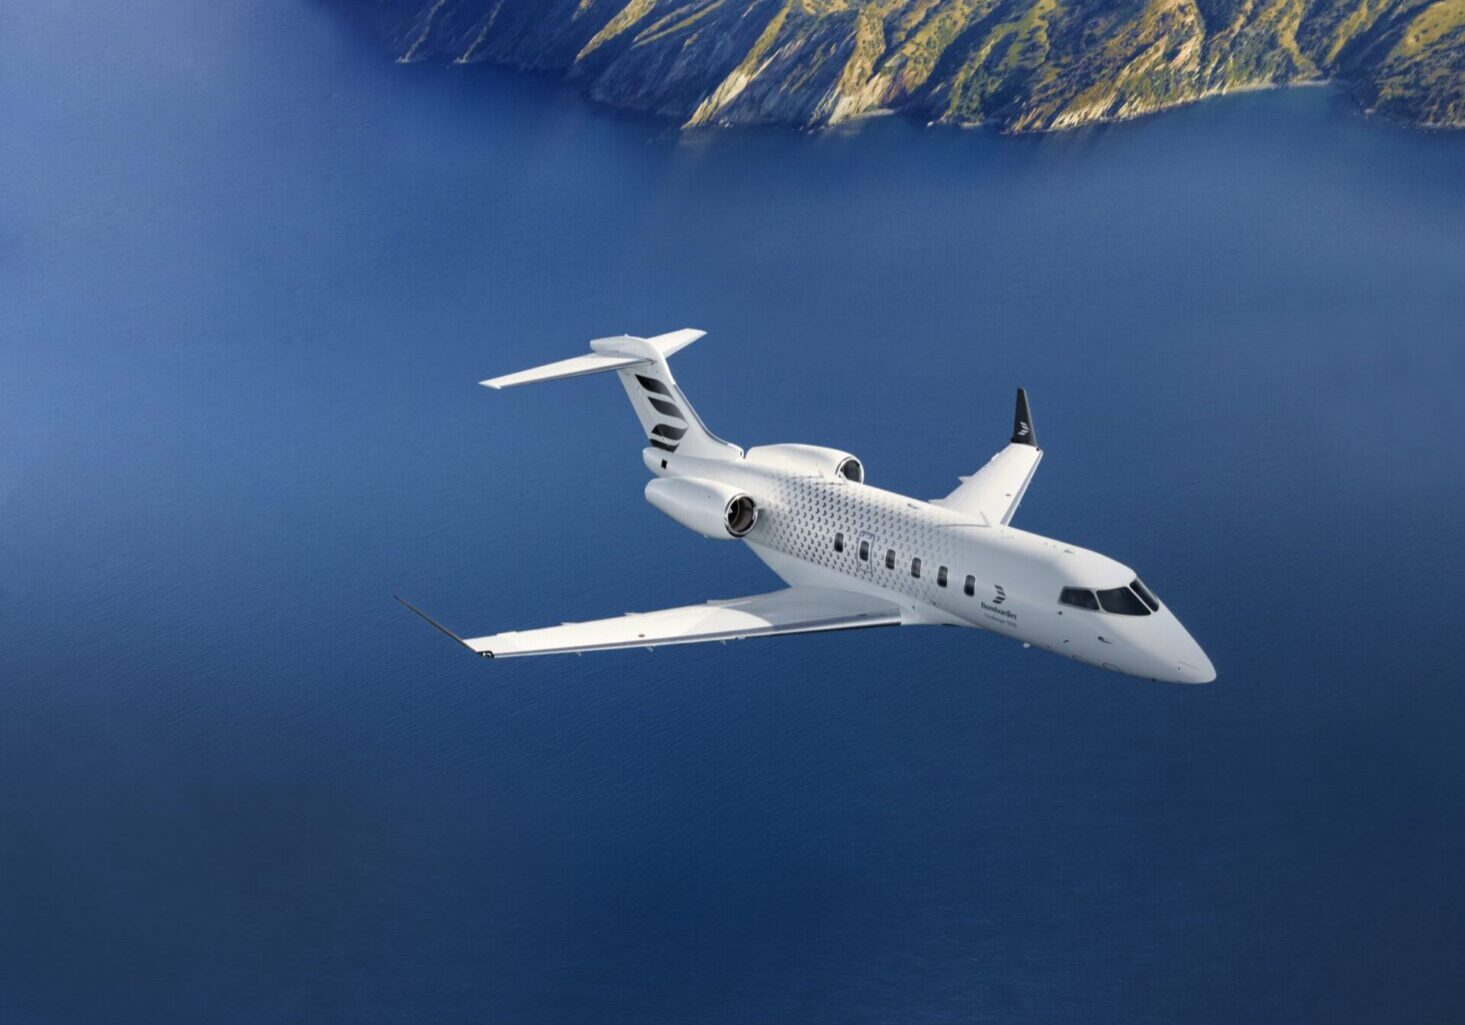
[680, 124]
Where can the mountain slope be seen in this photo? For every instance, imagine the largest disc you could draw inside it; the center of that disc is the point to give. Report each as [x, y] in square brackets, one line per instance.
[1026, 65]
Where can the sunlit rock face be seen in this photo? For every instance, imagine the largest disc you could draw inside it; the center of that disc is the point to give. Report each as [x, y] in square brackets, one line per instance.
[1024, 65]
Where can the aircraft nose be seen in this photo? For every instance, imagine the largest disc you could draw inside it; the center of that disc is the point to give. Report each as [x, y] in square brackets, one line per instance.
[1192, 673]
[1191, 663]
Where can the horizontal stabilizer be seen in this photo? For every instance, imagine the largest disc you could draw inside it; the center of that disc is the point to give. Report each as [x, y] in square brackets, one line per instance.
[575, 366]
[674, 341]
[620, 352]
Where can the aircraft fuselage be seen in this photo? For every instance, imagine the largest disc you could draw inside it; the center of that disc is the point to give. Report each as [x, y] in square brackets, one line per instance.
[942, 567]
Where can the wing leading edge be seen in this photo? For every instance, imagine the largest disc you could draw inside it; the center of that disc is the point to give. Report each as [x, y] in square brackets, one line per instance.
[995, 491]
[790, 611]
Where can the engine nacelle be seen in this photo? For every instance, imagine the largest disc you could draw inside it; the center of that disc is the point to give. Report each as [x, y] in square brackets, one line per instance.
[713, 510]
[809, 461]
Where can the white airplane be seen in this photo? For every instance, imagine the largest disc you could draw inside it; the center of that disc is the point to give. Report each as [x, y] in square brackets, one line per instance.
[854, 555]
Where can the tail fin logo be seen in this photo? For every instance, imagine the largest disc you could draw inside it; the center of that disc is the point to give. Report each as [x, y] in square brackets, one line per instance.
[664, 436]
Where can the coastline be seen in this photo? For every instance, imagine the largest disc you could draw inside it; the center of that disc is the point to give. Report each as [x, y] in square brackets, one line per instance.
[735, 65]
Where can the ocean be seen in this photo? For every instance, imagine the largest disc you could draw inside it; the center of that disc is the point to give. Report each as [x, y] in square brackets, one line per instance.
[250, 273]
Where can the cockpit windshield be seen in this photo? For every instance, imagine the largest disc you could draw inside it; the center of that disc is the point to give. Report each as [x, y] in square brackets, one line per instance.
[1145, 594]
[1080, 598]
[1134, 600]
[1122, 601]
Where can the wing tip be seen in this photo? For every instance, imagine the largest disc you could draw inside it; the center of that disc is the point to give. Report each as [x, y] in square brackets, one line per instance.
[439, 627]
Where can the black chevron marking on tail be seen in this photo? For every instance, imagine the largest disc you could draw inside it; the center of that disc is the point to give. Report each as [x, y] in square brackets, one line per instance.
[659, 395]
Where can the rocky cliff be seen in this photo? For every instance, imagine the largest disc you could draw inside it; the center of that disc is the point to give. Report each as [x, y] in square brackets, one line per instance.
[1025, 65]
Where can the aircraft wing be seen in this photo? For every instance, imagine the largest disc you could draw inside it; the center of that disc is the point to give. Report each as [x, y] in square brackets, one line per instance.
[790, 611]
[994, 492]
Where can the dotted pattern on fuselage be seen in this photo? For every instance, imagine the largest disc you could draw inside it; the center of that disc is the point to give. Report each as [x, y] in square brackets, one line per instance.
[799, 516]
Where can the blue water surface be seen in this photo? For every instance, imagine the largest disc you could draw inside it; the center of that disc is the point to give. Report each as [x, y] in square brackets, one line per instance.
[250, 271]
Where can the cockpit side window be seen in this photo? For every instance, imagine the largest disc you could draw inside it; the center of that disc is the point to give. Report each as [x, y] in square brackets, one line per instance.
[1145, 595]
[1122, 601]
[1079, 597]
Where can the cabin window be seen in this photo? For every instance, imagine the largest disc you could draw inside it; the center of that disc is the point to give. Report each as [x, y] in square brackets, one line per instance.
[970, 587]
[1079, 598]
[839, 542]
[1122, 601]
[864, 551]
[916, 568]
[941, 576]
[1145, 594]
[890, 558]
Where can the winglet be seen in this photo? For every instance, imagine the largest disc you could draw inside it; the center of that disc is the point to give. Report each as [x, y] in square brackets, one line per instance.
[1023, 431]
[439, 627]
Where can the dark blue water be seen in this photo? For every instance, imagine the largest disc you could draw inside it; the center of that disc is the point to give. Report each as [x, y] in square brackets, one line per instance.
[249, 273]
